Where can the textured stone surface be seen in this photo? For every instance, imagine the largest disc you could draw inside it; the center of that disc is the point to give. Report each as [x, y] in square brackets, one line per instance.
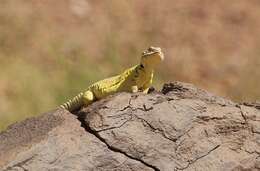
[65, 145]
[180, 128]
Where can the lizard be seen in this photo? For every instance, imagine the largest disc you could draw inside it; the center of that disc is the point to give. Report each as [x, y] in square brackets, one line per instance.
[135, 79]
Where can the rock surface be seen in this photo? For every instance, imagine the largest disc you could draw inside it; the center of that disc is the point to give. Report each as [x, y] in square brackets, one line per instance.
[180, 128]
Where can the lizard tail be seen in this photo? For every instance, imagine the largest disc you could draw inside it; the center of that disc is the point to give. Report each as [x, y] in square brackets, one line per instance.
[74, 103]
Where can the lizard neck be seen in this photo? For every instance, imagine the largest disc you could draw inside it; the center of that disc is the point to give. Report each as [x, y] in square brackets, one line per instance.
[146, 68]
[141, 72]
[141, 75]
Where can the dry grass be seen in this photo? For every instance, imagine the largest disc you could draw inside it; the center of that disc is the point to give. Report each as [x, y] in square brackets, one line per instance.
[50, 50]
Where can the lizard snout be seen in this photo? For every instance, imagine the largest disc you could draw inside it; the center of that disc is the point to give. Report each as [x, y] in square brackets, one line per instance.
[154, 49]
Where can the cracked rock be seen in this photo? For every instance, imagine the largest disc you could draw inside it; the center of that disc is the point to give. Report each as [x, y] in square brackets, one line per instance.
[65, 145]
[180, 128]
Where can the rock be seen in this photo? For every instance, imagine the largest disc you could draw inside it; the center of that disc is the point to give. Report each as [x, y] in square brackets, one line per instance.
[56, 141]
[180, 128]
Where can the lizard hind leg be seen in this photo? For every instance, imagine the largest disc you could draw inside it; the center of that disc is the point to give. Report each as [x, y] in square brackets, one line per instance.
[88, 97]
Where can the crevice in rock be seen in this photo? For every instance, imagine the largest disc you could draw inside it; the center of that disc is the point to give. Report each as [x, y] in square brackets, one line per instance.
[255, 132]
[208, 118]
[165, 99]
[253, 152]
[128, 106]
[242, 113]
[20, 164]
[145, 109]
[115, 127]
[252, 104]
[180, 136]
[112, 148]
[156, 129]
[198, 158]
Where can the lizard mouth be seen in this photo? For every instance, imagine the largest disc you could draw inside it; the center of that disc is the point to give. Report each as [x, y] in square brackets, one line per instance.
[147, 53]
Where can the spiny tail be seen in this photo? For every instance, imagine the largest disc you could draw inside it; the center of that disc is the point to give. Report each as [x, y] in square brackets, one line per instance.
[74, 103]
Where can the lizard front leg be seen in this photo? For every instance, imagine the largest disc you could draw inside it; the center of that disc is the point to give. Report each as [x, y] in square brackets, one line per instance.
[134, 89]
[88, 97]
[145, 91]
[147, 85]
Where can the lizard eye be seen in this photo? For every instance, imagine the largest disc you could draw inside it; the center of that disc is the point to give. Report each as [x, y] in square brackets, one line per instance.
[145, 52]
[150, 48]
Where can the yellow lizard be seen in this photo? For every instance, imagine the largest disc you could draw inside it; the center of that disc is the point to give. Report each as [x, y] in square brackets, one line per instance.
[137, 78]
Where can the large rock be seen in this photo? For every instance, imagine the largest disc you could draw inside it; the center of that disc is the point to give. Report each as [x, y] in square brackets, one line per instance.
[180, 128]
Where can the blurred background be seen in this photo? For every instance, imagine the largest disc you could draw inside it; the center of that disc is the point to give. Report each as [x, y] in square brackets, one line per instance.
[50, 50]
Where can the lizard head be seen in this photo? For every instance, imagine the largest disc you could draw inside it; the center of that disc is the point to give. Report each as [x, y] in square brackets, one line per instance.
[152, 56]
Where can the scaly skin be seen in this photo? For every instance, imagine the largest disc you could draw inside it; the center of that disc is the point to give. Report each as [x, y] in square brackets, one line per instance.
[137, 78]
